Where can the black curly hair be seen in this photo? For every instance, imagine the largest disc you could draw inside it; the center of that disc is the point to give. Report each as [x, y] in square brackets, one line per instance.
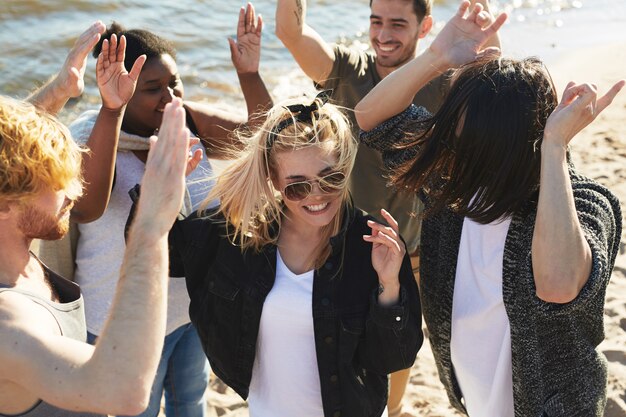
[138, 42]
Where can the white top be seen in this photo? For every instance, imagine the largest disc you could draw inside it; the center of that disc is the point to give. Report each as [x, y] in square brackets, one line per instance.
[285, 378]
[101, 246]
[481, 338]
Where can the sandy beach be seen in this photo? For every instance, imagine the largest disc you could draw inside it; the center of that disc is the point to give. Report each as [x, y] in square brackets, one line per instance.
[600, 153]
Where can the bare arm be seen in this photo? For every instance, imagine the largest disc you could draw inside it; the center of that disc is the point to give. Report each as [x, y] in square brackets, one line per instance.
[215, 126]
[561, 256]
[116, 89]
[116, 376]
[459, 42]
[311, 52]
[245, 52]
[69, 82]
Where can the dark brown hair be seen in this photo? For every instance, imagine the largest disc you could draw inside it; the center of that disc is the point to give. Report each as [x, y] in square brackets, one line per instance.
[138, 42]
[480, 153]
[420, 7]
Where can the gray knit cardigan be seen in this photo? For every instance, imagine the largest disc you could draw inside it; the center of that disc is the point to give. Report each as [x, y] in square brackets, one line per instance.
[557, 370]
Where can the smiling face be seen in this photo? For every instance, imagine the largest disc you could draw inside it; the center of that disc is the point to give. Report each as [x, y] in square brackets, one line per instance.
[46, 216]
[394, 32]
[308, 164]
[158, 83]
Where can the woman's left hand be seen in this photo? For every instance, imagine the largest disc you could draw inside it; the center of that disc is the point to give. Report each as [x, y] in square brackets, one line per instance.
[577, 109]
[116, 85]
[245, 52]
[387, 250]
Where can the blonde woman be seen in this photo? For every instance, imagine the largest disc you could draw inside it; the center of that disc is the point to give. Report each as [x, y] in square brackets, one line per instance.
[302, 303]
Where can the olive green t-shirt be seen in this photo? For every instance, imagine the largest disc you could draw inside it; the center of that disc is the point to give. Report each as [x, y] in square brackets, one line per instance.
[353, 76]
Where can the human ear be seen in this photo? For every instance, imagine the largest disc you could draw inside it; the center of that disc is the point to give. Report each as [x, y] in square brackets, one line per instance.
[425, 26]
[6, 209]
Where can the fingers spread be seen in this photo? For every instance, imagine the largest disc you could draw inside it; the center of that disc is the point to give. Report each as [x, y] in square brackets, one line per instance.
[233, 49]
[392, 222]
[121, 49]
[463, 8]
[259, 26]
[604, 101]
[377, 227]
[476, 10]
[387, 241]
[496, 25]
[241, 23]
[105, 54]
[137, 66]
[113, 48]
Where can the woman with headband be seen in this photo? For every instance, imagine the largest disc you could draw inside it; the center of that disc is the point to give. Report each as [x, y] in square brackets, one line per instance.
[303, 304]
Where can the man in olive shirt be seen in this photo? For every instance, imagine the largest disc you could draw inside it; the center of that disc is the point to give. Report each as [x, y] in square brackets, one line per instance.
[396, 26]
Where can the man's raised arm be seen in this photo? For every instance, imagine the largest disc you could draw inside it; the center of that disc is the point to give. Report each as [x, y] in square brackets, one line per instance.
[115, 376]
[310, 51]
[69, 82]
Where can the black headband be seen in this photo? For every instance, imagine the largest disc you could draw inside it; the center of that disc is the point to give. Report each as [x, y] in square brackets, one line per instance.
[301, 113]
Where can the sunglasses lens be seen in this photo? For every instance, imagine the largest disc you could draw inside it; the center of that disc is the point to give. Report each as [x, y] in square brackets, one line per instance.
[297, 191]
[332, 182]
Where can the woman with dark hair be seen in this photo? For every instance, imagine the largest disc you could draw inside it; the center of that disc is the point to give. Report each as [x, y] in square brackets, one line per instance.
[517, 246]
[183, 372]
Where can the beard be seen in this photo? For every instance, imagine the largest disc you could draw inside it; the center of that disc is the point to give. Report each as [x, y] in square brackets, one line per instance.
[37, 224]
[388, 62]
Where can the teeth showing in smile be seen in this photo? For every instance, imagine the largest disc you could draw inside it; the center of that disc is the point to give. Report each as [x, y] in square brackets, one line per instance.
[386, 48]
[317, 207]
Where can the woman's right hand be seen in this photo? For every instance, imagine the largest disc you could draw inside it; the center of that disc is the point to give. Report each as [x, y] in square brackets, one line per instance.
[461, 39]
[245, 52]
[116, 85]
[579, 106]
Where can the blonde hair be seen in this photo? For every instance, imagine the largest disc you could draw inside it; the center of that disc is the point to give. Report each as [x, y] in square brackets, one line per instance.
[36, 153]
[248, 200]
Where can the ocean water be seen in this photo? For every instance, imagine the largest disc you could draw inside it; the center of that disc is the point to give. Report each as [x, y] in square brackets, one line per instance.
[35, 36]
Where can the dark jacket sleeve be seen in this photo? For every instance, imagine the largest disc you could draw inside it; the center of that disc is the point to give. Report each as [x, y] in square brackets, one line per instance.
[390, 136]
[393, 335]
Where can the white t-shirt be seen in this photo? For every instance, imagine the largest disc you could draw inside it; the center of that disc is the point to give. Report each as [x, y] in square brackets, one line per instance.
[480, 343]
[285, 378]
[101, 245]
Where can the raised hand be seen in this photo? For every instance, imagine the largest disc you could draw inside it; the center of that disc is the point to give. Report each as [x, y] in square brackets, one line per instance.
[69, 82]
[462, 38]
[70, 79]
[115, 83]
[387, 251]
[163, 183]
[245, 52]
[579, 107]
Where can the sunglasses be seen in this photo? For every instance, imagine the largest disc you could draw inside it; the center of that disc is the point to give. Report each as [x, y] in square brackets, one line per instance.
[330, 183]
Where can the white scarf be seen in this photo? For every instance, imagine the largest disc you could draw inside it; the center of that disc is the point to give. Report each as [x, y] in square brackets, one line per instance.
[81, 129]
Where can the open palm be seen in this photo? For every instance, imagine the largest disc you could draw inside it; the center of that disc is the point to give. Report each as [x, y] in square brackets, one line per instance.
[245, 52]
[70, 77]
[462, 38]
[115, 83]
